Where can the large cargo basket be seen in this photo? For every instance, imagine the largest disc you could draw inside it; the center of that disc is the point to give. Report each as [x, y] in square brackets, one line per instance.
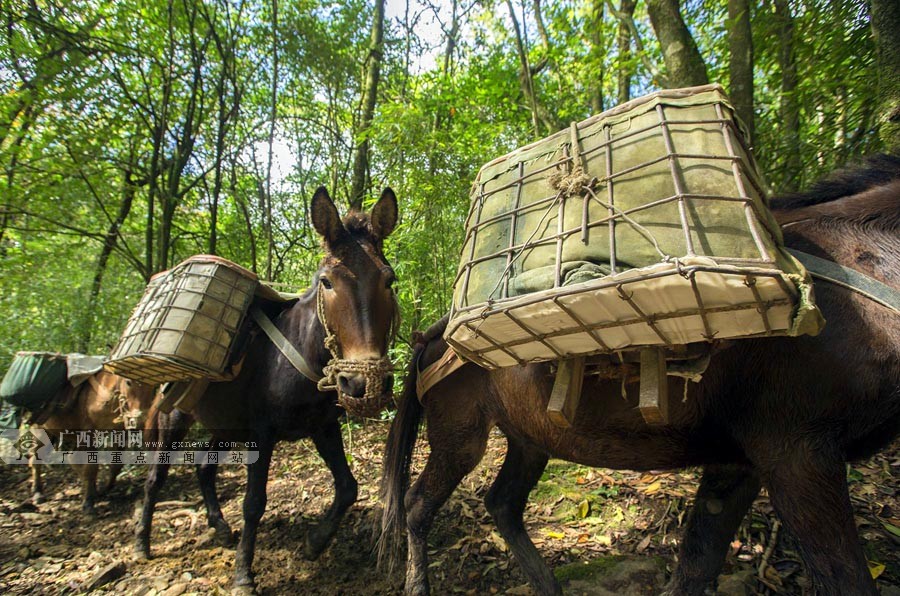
[33, 379]
[646, 225]
[186, 323]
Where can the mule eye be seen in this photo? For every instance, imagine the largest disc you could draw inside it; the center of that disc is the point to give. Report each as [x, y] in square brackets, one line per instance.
[326, 283]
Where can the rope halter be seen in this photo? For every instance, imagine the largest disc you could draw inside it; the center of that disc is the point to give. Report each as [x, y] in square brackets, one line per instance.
[375, 370]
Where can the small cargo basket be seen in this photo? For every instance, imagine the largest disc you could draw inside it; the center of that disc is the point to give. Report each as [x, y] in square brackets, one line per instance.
[186, 323]
[646, 225]
[33, 379]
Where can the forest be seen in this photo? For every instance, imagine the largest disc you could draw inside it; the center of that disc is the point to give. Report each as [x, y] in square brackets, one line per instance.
[135, 134]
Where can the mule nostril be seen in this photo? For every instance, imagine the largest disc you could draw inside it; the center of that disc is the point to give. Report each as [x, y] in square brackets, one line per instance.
[352, 384]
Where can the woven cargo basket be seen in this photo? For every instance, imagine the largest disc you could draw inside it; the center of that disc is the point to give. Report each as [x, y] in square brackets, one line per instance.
[186, 323]
[646, 225]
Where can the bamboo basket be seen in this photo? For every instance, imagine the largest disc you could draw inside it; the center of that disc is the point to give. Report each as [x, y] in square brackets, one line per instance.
[646, 225]
[187, 322]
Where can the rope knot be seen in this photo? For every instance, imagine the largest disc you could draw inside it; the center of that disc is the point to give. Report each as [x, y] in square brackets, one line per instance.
[574, 183]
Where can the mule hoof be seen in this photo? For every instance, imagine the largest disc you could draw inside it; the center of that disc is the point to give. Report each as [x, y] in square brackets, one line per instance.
[38, 498]
[141, 554]
[244, 586]
[89, 512]
[316, 543]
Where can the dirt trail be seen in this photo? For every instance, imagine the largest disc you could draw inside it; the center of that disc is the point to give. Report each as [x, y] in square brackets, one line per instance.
[576, 515]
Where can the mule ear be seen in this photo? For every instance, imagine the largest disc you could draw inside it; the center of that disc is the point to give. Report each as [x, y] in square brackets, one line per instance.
[325, 217]
[384, 214]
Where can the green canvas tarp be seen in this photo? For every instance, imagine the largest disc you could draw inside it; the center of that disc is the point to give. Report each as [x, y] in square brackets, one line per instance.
[33, 379]
[663, 185]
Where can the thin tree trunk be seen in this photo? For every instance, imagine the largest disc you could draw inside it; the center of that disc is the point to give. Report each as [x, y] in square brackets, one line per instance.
[109, 244]
[525, 79]
[267, 195]
[370, 95]
[790, 106]
[740, 63]
[885, 28]
[625, 69]
[599, 52]
[684, 64]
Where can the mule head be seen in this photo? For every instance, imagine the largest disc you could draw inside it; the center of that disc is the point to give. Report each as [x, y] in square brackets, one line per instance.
[356, 300]
[134, 400]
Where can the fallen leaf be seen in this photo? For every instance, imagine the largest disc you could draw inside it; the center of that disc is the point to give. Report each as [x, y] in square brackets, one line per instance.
[556, 535]
[875, 569]
[891, 528]
[584, 509]
[653, 487]
[642, 546]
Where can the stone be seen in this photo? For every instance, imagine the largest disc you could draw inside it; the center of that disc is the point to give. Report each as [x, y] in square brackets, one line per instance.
[614, 576]
[742, 583]
[175, 589]
[106, 574]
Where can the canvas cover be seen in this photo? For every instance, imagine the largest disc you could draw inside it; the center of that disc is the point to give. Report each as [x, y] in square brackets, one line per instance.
[646, 225]
[33, 379]
[187, 323]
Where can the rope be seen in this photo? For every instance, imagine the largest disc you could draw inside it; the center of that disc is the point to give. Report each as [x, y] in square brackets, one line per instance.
[375, 370]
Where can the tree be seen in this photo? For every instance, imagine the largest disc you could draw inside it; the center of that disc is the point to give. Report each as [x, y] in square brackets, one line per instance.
[370, 94]
[684, 64]
[885, 27]
[740, 62]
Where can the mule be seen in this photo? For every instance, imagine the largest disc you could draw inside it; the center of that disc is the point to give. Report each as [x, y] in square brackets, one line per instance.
[105, 401]
[783, 413]
[350, 309]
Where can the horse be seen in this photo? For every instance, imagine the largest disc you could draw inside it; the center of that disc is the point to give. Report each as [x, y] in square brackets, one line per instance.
[105, 401]
[776, 412]
[349, 311]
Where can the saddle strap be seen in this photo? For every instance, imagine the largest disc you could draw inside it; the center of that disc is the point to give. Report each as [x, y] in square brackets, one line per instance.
[284, 346]
[850, 278]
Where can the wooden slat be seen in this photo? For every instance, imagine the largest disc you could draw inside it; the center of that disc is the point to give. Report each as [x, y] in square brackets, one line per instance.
[654, 396]
[566, 392]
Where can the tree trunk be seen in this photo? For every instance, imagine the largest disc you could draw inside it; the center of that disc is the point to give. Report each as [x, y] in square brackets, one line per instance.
[267, 194]
[885, 28]
[740, 62]
[370, 94]
[684, 64]
[599, 52]
[109, 244]
[790, 106]
[625, 69]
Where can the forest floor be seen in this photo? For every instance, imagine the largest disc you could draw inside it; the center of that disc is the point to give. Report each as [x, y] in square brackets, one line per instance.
[594, 526]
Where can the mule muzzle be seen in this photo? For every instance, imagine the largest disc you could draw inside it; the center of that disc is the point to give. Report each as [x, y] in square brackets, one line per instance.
[364, 387]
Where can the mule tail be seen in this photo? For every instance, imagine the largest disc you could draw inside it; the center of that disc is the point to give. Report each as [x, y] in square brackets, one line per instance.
[398, 457]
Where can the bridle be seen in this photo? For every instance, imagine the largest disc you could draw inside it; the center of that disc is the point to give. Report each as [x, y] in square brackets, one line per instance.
[375, 370]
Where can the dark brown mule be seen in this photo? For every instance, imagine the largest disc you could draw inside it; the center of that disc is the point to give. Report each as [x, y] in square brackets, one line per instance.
[269, 401]
[784, 413]
[102, 402]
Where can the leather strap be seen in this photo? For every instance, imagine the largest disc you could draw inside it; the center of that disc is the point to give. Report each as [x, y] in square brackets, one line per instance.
[851, 279]
[437, 371]
[284, 346]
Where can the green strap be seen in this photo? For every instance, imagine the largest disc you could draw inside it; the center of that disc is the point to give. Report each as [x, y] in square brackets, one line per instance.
[850, 278]
[284, 346]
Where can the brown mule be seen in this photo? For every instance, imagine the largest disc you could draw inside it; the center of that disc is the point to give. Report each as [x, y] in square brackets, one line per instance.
[103, 402]
[784, 413]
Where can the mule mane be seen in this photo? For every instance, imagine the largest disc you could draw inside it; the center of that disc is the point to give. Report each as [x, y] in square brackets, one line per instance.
[359, 225]
[876, 170]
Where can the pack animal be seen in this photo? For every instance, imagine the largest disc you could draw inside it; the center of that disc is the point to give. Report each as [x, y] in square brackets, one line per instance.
[351, 307]
[103, 402]
[783, 413]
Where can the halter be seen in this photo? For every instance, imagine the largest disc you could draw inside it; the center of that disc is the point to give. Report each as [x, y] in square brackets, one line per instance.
[375, 370]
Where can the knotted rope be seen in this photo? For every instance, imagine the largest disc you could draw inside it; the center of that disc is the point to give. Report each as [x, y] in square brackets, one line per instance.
[375, 370]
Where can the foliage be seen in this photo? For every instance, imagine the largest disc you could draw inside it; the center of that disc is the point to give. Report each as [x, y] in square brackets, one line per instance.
[141, 131]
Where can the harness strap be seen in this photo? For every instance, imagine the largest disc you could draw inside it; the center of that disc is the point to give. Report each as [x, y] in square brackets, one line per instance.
[851, 279]
[284, 346]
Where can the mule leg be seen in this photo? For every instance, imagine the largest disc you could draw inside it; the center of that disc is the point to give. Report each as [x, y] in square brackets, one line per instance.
[114, 470]
[206, 478]
[330, 446]
[455, 451]
[807, 485]
[254, 507]
[88, 475]
[172, 427]
[723, 499]
[37, 481]
[506, 503]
